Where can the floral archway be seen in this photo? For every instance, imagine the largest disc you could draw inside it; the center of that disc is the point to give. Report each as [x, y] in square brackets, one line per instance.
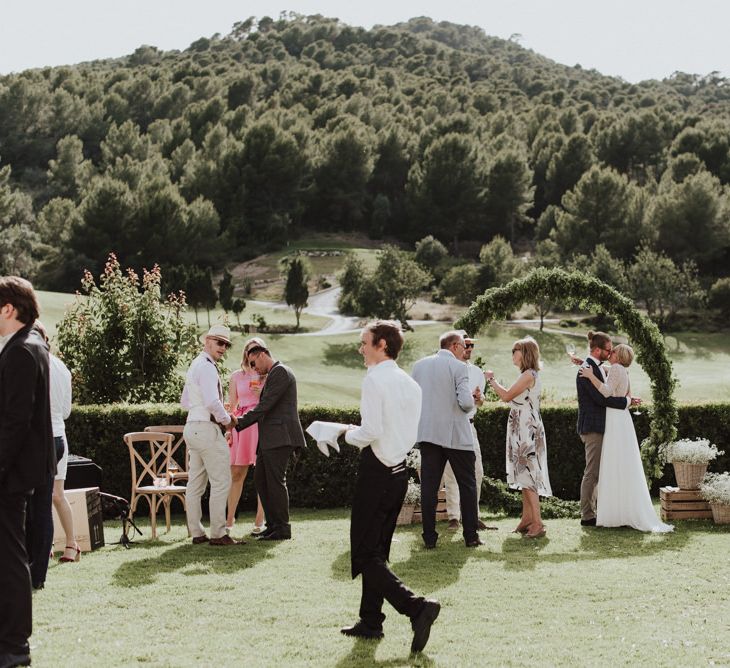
[584, 292]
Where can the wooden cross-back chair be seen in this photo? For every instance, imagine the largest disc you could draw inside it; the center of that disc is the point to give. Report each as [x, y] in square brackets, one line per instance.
[149, 457]
[178, 454]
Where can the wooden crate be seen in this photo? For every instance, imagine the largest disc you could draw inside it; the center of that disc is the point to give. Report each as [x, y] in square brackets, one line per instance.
[441, 513]
[683, 504]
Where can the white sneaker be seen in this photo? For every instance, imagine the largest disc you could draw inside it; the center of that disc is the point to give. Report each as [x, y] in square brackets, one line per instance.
[257, 530]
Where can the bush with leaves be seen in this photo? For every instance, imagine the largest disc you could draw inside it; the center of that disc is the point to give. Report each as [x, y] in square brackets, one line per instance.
[121, 342]
[719, 296]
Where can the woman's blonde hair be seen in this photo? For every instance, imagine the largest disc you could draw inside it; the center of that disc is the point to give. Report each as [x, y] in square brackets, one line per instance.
[624, 354]
[253, 341]
[530, 353]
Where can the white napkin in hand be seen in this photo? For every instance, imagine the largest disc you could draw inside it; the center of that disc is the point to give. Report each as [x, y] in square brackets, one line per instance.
[326, 434]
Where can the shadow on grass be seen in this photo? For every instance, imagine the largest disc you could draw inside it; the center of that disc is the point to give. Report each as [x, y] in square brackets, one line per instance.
[428, 570]
[189, 559]
[362, 655]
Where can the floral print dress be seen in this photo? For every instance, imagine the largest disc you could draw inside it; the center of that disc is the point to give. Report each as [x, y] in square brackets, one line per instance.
[526, 446]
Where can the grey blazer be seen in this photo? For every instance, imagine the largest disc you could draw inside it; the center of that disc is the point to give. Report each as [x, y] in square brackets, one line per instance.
[446, 400]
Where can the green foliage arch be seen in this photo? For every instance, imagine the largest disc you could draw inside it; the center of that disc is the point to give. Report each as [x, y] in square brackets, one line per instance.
[584, 292]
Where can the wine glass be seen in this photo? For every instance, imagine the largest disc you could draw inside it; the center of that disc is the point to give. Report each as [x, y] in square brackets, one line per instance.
[570, 349]
[636, 410]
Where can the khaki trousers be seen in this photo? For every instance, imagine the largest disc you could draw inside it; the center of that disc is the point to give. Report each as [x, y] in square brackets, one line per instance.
[209, 460]
[593, 443]
[453, 502]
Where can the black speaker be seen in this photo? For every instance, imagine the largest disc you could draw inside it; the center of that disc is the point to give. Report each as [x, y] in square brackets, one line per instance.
[82, 472]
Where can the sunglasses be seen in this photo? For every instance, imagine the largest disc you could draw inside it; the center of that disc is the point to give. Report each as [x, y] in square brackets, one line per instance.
[468, 345]
[225, 344]
[516, 350]
[252, 363]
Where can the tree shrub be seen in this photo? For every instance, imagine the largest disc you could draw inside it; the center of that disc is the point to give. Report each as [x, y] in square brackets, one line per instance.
[121, 343]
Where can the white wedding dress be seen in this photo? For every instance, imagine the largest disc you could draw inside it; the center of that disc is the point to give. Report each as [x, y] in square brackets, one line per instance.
[623, 496]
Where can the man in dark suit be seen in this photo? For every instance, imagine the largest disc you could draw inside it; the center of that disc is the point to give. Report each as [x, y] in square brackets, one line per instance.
[280, 433]
[27, 456]
[592, 420]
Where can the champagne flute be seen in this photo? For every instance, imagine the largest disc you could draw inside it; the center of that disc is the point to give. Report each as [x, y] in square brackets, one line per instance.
[570, 350]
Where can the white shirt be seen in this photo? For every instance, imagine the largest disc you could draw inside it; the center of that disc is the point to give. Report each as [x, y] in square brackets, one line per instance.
[390, 408]
[60, 384]
[202, 395]
[476, 379]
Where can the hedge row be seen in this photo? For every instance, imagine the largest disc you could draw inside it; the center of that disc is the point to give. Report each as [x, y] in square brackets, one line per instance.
[319, 482]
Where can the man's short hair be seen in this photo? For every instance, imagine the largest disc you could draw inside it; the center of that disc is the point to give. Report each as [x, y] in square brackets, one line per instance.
[447, 339]
[255, 350]
[388, 331]
[19, 293]
[598, 340]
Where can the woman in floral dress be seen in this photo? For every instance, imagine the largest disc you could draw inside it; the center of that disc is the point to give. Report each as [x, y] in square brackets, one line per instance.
[526, 446]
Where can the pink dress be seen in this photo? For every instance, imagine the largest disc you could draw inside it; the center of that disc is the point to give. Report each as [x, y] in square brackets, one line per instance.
[243, 443]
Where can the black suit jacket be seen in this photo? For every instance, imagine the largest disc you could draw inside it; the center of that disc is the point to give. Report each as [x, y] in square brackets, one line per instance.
[276, 413]
[592, 404]
[27, 455]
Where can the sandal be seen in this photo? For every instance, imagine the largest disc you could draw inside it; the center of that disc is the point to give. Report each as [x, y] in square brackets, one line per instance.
[538, 534]
[65, 560]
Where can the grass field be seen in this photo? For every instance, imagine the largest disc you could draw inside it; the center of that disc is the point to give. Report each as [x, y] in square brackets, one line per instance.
[329, 370]
[579, 597]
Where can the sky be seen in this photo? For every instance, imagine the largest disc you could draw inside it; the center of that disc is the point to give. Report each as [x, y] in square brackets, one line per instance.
[632, 39]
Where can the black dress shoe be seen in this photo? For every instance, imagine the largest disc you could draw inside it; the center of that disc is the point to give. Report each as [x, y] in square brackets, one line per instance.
[12, 660]
[362, 630]
[422, 622]
[588, 523]
[274, 535]
[475, 542]
[199, 540]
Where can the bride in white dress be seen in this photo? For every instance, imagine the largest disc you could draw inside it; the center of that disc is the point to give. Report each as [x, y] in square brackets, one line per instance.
[623, 496]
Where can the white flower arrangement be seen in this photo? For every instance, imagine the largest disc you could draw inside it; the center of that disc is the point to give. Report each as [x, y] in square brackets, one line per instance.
[715, 488]
[413, 459]
[413, 493]
[698, 451]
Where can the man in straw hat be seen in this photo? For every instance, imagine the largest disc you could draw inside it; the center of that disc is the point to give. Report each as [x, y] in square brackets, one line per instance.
[207, 447]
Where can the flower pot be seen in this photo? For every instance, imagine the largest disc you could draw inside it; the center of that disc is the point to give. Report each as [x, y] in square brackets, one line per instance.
[405, 516]
[689, 476]
[720, 513]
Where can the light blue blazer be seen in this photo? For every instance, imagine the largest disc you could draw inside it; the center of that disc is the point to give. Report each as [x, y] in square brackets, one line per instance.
[446, 401]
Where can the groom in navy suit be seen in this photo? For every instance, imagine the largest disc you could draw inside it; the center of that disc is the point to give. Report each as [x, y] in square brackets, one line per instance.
[592, 420]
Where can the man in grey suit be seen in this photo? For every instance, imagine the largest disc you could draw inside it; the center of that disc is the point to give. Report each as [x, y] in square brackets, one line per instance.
[444, 435]
[280, 433]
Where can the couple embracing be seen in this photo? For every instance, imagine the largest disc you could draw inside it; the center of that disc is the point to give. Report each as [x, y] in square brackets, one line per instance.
[613, 492]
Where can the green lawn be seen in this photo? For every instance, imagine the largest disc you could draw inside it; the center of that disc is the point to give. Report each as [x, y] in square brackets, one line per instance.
[593, 597]
[329, 370]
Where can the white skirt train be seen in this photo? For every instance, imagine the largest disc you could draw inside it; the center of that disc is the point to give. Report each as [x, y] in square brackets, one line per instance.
[623, 497]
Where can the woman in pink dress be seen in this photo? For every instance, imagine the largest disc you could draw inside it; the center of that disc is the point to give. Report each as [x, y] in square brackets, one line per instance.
[244, 389]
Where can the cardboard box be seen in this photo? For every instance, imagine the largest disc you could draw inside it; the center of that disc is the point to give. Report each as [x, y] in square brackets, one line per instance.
[88, 521]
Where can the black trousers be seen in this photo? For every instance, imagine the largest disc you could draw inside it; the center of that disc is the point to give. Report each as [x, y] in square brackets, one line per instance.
[16, 622]
[379, 494]
[433, 461]
[39, 531]
[270, 480]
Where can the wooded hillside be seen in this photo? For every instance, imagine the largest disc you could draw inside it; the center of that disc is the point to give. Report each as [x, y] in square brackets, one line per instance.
[238, 143]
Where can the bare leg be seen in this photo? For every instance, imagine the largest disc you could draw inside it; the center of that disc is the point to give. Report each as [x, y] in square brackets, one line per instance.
[259, 521]
[526, 518]
[65, 516]
[533, 500]
[238, 477]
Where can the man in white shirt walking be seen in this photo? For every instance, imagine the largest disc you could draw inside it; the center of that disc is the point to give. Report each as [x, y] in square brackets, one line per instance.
[477, 383]
[390, 408]
[207, 447]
